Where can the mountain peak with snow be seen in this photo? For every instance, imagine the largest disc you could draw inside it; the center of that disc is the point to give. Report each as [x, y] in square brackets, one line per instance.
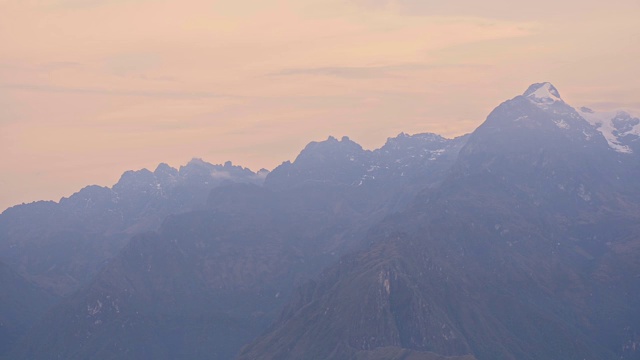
[543, 93]
[619, 128]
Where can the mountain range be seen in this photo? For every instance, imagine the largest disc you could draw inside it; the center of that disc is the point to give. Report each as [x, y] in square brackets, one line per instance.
[520, 240]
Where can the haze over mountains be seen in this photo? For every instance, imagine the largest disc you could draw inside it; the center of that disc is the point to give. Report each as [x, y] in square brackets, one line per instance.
[518, 241]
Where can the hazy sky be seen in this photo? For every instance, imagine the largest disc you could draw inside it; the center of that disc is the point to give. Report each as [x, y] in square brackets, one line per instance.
[91, 88]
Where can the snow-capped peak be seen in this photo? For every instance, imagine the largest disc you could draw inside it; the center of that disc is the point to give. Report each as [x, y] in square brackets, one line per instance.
[543, 93]
[614, 126]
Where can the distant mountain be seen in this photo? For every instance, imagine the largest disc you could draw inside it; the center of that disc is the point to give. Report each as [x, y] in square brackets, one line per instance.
[406, 158]
[518, 241]
[62, 245]
[392, 174]
[528, 250]
[619, 128]
[212, 280]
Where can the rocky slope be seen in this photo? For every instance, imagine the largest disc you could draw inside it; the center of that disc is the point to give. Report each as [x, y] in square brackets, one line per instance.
[519, 241]
[527, 251]
[60, 246]
[211, 280]
[21, 305]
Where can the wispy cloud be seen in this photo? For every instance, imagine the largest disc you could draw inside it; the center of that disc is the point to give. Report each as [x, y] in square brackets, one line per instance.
[83, 4]
[632, 106]
[220, 175]
[126, 64]
[41, 67]
[367, 72]
[58, 65]
[341, 72]
[113, 92]
[499, 8]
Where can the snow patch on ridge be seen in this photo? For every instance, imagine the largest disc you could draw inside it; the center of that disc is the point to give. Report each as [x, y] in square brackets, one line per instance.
[543, 94]
[605, 123]
[561, 124]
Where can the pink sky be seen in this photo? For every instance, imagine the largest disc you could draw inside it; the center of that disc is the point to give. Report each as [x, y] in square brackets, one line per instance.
[92, 88]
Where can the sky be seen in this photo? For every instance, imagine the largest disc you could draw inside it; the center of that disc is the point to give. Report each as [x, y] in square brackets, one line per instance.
[92, 88]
